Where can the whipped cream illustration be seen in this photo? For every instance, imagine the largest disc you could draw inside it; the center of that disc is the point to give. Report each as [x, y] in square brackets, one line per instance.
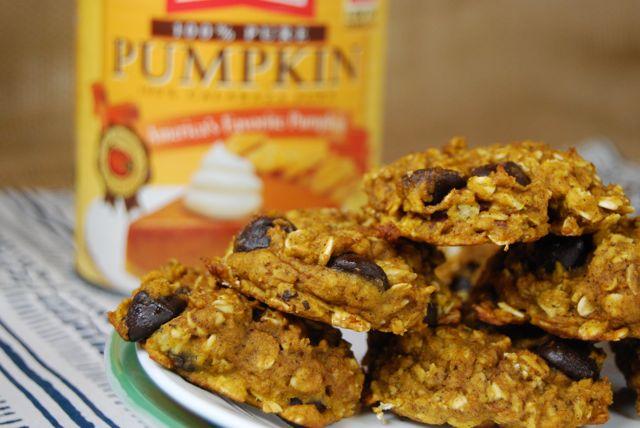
[225, 187]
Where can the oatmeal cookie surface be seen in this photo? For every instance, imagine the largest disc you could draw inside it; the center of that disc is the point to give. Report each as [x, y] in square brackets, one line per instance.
[467, 377]
[231, 345]
[503, 194]
[585, 287]
[329, 265]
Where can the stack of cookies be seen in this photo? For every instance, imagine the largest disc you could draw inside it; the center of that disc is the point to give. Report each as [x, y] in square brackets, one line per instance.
[500, 332]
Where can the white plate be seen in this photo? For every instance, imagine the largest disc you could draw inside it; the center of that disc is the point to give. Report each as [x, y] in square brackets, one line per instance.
[226, 413]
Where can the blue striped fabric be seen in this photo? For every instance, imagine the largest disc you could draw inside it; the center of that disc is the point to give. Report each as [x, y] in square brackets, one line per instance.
[53, 324]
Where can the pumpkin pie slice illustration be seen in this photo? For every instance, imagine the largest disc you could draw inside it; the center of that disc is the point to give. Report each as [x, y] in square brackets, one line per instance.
[246, 174]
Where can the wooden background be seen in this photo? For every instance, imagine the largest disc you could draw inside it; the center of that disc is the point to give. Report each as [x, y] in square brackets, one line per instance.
[492, 70]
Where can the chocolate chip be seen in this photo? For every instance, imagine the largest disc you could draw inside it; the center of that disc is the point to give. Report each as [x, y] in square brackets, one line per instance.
[328, 390]
[511, 168]
[146, 315]
[570, 357]
[359, 265]
[516, 171]
[254, 236]
[437, 182]
[570, 251]
[288, 295]
[320, 406]
[295, 401]
[431, 318]
[306, 305]
[444, 181]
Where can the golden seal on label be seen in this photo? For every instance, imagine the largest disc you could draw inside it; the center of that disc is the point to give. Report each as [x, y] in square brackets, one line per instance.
[123, 164]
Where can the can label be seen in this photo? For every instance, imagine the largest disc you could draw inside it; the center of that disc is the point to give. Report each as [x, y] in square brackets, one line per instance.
[194, 115]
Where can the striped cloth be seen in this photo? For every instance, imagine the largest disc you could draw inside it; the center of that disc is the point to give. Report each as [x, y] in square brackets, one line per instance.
[53, 324]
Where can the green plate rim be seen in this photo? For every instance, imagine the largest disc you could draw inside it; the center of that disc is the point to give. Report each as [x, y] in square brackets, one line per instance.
[131, 383]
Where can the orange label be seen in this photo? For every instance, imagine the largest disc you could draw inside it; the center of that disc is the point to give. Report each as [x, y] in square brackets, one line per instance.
[194, 115]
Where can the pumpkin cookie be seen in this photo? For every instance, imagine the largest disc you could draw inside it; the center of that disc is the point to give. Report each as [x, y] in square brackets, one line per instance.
[466, 377]
[230, 345]
[585, 287]
[502, 194]
[329, 265]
